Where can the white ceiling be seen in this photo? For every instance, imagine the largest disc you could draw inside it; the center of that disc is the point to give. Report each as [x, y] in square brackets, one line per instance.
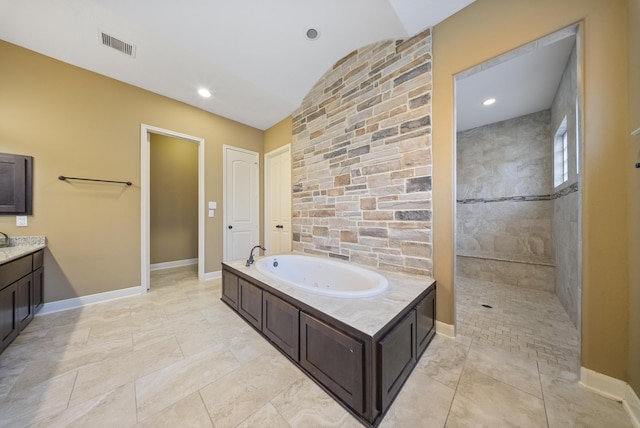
[524, 83]
[252, 54]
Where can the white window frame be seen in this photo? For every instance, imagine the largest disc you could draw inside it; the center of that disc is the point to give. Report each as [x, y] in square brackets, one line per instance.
[561, 155]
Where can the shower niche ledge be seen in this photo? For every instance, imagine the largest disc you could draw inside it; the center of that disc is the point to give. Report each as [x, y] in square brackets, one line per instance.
[360, 351]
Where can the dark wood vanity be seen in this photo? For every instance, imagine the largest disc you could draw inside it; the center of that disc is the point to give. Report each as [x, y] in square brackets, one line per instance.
[21, 294]
[363, 372]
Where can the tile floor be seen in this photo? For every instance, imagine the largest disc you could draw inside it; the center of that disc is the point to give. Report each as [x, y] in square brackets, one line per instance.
[178, 357]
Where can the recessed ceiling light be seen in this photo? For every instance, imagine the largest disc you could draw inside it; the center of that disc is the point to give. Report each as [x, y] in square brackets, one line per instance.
[313, 34]
[489, 101]
[204, 92]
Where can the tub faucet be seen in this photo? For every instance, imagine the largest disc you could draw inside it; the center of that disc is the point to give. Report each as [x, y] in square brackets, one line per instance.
[250, 259]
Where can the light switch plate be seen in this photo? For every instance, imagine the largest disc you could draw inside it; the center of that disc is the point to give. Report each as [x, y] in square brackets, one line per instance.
[213, 205]
[211, 213]
[21, 220]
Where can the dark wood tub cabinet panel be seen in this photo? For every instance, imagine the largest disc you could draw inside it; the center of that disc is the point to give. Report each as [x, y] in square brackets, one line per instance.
[250, 302]
[230, 289]
[396, 358]
[334, 358]
[426, 320]
[280, 323]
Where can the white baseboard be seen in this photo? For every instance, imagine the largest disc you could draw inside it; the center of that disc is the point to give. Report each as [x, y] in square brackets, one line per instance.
[78, 302]
[614, 389]
[448, 330]
[177, 263]
[632, 404]
[212, 275]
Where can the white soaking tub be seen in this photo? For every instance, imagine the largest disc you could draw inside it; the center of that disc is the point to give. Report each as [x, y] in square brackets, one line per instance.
[323, 276]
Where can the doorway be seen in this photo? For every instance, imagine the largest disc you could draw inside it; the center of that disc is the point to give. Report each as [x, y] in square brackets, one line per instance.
[145, 199]
[277, 204]
[241, 202]
[517, 228]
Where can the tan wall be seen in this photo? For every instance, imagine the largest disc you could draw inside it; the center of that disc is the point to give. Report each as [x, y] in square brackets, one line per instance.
[634, 196]
[278, 135]
[77, 123]
[488, 28]
[173, 199]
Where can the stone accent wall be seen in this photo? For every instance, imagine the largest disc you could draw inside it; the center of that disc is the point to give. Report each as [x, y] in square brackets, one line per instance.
[362, 159]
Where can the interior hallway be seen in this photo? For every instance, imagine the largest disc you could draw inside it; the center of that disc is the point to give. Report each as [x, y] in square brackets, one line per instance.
[178, 356]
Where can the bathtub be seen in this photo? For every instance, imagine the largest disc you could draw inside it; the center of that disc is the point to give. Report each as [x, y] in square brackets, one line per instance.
[323, 276]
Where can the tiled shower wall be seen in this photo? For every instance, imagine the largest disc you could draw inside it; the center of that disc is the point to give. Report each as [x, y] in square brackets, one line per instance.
[566, 200]
[504, 208]
[362, 159]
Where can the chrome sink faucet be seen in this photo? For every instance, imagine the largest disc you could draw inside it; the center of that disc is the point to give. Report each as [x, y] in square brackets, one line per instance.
[250, 259]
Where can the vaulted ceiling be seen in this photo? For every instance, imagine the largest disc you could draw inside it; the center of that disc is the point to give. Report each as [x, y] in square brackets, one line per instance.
[253, 55]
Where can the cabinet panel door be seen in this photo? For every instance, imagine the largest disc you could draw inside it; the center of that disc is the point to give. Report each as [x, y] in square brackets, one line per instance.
[426, 319]
[24, 310]
[396, 358]
[38, 289]
[230, 289]
[16, 184]
[8, 320]
[280, 324]
[334, 358]
[250, 303]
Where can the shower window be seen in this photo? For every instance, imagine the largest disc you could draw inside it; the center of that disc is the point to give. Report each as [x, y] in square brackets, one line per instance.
[561, 155]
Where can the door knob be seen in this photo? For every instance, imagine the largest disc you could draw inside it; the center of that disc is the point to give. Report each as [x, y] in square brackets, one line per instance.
[229, 227]
[279, 226]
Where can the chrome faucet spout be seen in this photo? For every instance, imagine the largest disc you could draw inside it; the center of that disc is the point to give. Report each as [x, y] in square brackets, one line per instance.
[250, 259]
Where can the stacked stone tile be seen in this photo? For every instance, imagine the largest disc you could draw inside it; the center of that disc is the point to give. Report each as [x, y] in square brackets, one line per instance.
[362, 159]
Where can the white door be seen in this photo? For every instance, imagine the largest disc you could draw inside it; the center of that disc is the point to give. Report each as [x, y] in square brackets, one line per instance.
[278, 200]
[241, 202]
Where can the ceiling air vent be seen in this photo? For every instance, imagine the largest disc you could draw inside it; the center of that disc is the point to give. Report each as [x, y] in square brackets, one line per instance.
[119, 45]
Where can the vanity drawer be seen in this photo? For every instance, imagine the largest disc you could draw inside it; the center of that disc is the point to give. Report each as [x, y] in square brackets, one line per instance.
[14, 270]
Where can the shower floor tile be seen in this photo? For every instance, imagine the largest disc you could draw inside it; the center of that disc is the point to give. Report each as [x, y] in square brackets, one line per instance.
[529, 323]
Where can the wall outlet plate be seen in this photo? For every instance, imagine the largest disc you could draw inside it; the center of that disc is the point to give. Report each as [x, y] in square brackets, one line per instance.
[21, 220]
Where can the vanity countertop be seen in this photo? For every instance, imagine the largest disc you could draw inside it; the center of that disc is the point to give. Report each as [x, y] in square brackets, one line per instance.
[21, 246]
[368, 314]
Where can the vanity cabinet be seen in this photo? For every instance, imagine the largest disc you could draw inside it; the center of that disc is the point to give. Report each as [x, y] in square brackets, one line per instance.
[8, 319]
[21, 294]
[363, 373]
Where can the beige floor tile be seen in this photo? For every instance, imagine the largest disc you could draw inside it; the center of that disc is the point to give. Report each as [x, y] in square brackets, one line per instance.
[185, 348]
[519, 372]
[444, 359]
[116, 408]
[305, 404]
[482, 401]
[22, 407]
[234, 397]
[266, 416]
[118, 370]
[160, 389]
[188, 412]
[569, 404]
[422, 402]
